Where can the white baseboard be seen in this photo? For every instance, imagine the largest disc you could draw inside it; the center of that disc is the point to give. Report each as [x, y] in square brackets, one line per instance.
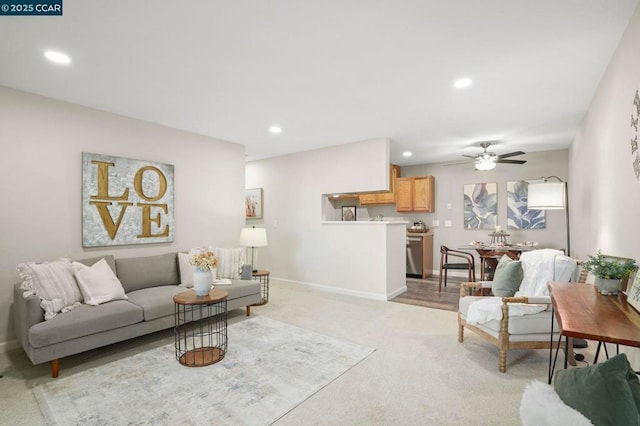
[458, 274]
[397, 292]
[337, 290]
[9, 346]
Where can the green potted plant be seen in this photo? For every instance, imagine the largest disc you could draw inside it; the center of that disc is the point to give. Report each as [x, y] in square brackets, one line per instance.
[609, 272]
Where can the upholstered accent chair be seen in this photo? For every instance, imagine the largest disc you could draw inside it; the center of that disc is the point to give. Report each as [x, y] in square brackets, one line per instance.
[522, 321]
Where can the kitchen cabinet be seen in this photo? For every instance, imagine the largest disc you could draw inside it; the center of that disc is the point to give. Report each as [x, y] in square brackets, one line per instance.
[415, 194]
[387, 197]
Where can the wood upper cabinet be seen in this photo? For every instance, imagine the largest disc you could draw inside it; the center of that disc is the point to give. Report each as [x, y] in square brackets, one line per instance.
[387, 197]
[415, 194]
[404, 195]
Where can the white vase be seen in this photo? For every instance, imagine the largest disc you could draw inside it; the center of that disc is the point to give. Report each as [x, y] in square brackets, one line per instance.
[608, 286]
[202, 281]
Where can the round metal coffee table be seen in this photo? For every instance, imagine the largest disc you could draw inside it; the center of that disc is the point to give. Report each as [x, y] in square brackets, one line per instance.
[200, 327]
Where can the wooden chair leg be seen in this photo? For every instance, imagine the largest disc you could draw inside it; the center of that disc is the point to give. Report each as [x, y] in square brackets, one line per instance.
[55, 368]
[248, 310]
[502, 362]
[440, 280]
[460, 329]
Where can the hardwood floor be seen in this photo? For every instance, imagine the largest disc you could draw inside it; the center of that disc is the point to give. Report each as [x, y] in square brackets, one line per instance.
[425, 293]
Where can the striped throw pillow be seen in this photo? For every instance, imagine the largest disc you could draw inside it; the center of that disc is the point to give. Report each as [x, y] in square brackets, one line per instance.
[54, 283]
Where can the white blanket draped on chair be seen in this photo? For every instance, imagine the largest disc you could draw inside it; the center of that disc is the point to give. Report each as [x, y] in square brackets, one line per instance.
[539, 267]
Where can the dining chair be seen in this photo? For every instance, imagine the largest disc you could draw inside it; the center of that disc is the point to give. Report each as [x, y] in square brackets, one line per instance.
[469, 264]
[489, 261]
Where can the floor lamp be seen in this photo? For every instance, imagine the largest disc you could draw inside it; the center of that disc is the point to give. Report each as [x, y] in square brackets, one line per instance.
[253, 237]
[548, 195]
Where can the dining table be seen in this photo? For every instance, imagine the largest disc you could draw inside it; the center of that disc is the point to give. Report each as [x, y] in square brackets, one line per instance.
[490, 254]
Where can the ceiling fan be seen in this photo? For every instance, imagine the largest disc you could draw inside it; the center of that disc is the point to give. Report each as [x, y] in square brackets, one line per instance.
[488, 160]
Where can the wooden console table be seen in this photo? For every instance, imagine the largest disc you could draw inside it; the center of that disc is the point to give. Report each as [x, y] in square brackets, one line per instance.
[582, 312]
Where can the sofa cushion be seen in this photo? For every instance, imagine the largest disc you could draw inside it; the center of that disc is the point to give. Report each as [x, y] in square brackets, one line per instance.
[519, 324]
[156, 302]
[93, 260]
[54, 283]
[83, 321]
[98, 283]
[241, 288]
[601, 392]
[136, 273]
[507, 278]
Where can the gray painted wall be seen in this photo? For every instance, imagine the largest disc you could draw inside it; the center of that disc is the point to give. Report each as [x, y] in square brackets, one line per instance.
[606, 193]
[41, 180]
[449, 181]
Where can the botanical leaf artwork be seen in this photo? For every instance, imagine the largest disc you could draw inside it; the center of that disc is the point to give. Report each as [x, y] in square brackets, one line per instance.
[480, 206]
[519, 216]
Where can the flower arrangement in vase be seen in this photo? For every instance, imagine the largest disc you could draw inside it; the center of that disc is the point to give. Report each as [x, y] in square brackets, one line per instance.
[205, 262]
[609, 272]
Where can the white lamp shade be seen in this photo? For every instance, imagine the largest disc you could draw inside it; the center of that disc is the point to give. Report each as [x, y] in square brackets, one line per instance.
[546, 196]
[253, 237]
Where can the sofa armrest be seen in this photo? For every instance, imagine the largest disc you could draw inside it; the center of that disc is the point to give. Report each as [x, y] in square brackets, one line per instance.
[26, 313]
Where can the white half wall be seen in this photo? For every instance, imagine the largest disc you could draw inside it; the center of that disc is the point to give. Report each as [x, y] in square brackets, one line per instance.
[41, 173]
[345, 257]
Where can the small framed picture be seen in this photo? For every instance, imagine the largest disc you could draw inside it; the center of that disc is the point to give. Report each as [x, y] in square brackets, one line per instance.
[633, 294]
[349, 213]
[253, 203]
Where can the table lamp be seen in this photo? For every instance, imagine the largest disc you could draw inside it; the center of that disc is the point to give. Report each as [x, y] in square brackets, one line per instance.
[253, 237]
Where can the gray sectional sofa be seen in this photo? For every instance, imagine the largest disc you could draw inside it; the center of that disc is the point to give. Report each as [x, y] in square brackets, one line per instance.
[150, 283]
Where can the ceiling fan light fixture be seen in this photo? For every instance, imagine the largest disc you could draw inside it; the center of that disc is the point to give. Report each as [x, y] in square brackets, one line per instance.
[485, 164]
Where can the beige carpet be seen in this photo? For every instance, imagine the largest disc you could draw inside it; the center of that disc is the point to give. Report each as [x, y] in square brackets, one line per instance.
[418, 375]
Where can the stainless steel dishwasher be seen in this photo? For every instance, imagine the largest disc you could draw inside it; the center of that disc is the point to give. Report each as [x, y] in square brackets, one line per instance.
[414, 256]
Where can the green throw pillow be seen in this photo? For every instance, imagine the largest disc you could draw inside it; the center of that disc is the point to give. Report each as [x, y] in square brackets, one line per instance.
[507, 278]
[604, 393]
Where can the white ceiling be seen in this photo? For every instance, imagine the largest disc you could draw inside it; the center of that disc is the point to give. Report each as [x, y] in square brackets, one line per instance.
[329, 71]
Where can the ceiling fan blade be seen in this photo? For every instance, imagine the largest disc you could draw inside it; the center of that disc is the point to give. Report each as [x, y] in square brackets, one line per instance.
[511, 161]
[511, 154]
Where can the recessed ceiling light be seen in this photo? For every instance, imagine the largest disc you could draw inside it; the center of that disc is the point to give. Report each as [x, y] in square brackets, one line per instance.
[57, 57]
[275, 129]
[461, 83]
[407, 154]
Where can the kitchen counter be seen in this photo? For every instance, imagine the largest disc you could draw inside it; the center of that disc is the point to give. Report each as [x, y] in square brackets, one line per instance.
[419, 234]
[365, 222]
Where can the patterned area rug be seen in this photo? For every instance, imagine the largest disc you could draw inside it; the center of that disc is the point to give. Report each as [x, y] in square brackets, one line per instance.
[270, 368]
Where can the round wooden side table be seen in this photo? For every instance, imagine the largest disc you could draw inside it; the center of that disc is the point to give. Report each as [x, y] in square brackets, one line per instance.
[263, 277]
[200, 327]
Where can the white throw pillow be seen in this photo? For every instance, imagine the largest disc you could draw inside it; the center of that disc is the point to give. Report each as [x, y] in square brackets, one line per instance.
[53, 283]
[98, 283]
[541, 406]
[230, 261]
[186, 269]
